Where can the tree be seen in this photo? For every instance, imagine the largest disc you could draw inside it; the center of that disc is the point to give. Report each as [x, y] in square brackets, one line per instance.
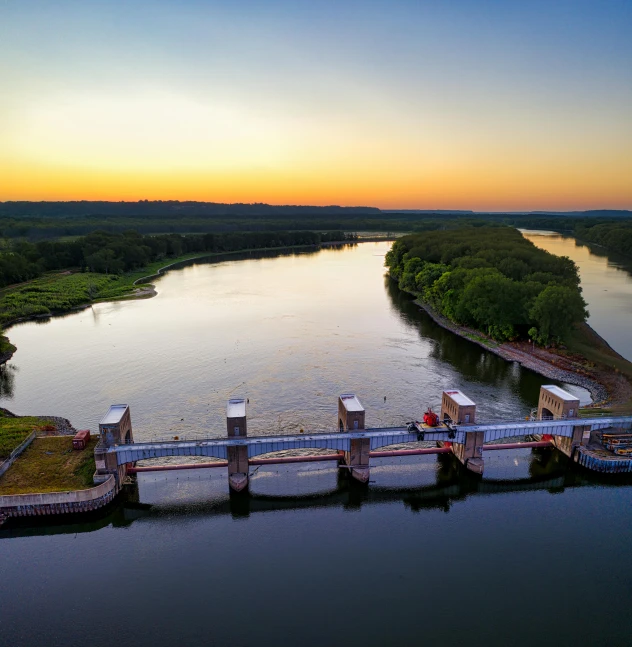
[429, 273]
[556, 309]
[495, 303]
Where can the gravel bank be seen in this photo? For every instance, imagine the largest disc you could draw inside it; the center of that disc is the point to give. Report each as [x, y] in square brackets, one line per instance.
[539, 360]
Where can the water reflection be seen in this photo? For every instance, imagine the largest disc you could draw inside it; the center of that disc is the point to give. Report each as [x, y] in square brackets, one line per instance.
[473, 363]
[203, 493]
[7, 380]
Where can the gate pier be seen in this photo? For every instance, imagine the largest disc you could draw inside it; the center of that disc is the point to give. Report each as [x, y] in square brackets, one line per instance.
[351, 418]
[237, 455]
[115, 428]
[458, 409]
[555, 403]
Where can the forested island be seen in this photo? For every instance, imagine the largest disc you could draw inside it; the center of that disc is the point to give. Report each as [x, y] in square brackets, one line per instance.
[492, 286]
[492, 279]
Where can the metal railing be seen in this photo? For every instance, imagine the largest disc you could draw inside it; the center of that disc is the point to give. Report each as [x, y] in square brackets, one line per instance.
[404, 429]
[6, 464]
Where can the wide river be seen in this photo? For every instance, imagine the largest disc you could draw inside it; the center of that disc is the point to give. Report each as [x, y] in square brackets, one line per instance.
[537, 552]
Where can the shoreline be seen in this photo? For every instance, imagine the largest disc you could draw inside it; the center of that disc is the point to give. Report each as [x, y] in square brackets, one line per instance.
[141, 288]
[7, 355]
[510, 352]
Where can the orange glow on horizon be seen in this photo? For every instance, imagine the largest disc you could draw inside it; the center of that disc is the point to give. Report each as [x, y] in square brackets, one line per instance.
[158, 145]
[402, 106]
[475, 189]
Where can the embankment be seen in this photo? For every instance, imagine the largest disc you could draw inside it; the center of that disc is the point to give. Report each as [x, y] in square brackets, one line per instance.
[607, 387]
[136, 285]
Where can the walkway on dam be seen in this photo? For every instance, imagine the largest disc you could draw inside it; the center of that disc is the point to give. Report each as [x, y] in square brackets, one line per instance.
[341, 441]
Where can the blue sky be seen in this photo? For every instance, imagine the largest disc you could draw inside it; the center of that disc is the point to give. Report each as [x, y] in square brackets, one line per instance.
[444, 104]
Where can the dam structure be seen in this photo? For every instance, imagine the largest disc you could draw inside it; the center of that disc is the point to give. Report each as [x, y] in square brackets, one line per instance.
[353, 445]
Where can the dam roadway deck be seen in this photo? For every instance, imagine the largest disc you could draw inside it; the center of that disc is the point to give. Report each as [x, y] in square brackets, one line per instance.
[341, 441]
[353, 445]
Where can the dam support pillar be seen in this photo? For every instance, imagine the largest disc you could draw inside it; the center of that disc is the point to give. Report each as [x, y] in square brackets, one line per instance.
[351, 418]
[237, 454]
[115, 428]
[556, 404]
[581, 436]
[458, 409]
[470, 452]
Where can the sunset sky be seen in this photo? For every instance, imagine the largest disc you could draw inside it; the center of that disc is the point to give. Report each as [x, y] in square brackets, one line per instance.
[458, 104]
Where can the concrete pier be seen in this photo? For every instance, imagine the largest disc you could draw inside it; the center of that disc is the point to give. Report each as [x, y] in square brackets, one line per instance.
[237, 455]
[458, 409]
[555, 404]
[351, 416]
[115, 428]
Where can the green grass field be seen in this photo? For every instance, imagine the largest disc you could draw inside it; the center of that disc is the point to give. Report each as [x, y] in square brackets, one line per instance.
[58, 292]
[14, 430]
[50, 465]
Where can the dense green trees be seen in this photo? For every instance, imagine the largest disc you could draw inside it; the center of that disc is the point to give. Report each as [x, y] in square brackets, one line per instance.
[615, 236]
[492, 279]
[110, 253]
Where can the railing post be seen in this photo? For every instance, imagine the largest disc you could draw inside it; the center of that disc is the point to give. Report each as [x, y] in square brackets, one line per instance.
[237, 455]
[351, 418]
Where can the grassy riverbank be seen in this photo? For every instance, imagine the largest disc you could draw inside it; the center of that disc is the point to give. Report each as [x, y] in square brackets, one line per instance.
[57, 293]
[50, 465]
[60, 292]
[585, 346]
[6, 348]
[14, 430]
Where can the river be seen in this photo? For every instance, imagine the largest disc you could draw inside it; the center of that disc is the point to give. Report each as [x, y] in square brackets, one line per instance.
[535, 552]
[606, 281]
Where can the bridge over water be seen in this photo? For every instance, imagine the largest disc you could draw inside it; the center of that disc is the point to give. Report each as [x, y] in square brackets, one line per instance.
[353, 446]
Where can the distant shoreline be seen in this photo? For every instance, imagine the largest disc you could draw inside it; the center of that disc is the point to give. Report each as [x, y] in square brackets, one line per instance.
[141, 288]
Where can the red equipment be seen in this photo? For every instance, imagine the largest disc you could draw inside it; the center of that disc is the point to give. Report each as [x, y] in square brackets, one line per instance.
[81, 440]
[431, 418]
